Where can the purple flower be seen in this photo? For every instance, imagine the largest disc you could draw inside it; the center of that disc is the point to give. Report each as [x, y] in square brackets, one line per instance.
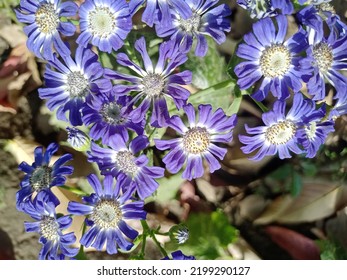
[329, 57]
[280, 132]
[270, 59]
[121, 162]
[197, 141]
[267, 8]
[77, 139]
[107, 211]
[69, 85]
[109, 115]
[200, 20]
[314, 131]
[157, 11]
[104, 23]
[56, 245]
[178, 255]
[43, 25]
[154, 85]
[41, 177]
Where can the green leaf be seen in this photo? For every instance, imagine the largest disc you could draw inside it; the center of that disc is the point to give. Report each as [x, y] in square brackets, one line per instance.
[168, 188]
[207, 70]
[210, 234]
[331, 250]
[296, 184]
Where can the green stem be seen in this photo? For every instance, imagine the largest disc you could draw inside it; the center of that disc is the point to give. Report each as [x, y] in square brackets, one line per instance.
[261, 106]
[221, 85]
[150, 232]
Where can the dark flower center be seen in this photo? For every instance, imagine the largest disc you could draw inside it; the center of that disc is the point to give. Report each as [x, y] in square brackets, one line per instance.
[41, 178]
[111, 113]
[46, 18]
[107, 214]
[196, 140]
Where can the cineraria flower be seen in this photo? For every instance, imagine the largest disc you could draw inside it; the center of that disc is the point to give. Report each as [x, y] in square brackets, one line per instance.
[315, 131]
[41, 177]
[197, 22]
[44, 25]
[157, 11]
[329, 58]
[107, 211]
[154, 84]
[77, 139]
[178, 255]
[104, 23]
[314, 17]
[109, 115]
[197, 141]
[266, 8]
[280, 131]
[272, 60]
[68, 87]
[121, 162]
[56, 244]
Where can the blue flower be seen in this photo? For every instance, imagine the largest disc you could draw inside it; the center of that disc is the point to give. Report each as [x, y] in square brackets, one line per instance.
[202, 19]
[280, 133]
[104, 23]
[73, 80]
[157, 11]
[329, 57]
[107, 210]
[41, 177]
[270, 59]
[267, 8]
[43, 25]
[154, 85]
[178, 255]
[314, 131]
[56, 245]
[109, 115]
[120, 161]
[197, 141]
[320, 13]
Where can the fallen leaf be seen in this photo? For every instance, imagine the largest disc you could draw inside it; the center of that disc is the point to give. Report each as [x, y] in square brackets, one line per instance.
[296, 244]
[317, 200]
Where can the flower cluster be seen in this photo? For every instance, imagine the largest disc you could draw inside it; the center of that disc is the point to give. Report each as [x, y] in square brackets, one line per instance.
[116, 88]
[296, 68]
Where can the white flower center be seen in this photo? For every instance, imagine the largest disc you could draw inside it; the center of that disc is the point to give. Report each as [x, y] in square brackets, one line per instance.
[280, 133]
[47, 19]
[275, 61]
[49, 228]
[77, 84]
[41, 178]
[125, 162]
[107, 214]
[191, 24]
[196, 140]
[311, 130]
[153, 85]
[101, 22]
[323, 56]
[326, 7]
